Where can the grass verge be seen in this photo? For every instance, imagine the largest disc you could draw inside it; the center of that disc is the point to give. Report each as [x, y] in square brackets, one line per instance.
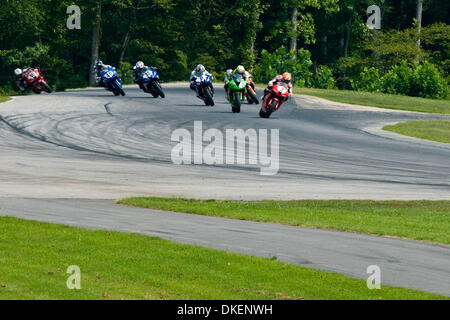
[379, 100]
[419, 220]
[435, 130]
[35, 256]
[4, 99]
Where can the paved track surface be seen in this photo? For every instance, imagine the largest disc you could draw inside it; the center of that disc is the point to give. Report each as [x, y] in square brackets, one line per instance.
[90, 144]
[63, 153]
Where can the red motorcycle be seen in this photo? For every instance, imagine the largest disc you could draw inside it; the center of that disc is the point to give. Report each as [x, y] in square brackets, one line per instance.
[35, 81]
[274, 99]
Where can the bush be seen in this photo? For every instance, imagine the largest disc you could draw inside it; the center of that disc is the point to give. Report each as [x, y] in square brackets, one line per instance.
[420, 80]
[369, 80]
[428, 82]
[323, 79]
[398, 80]
[280, 61]
[8, 91]
[125, 72]
[300, 67]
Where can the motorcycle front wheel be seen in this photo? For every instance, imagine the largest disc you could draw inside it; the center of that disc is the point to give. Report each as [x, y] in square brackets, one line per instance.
[262, 114]
[158, 90]
[45, 87]
[117, 86]
[208, 97]
[236, 104]
[271, 108]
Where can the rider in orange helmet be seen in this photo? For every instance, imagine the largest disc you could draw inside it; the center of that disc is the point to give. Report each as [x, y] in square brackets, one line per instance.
[285, 77]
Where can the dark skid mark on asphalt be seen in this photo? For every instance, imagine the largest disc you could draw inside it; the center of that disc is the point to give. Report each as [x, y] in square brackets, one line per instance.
[108, 111]
[78, 148]
[293, 174]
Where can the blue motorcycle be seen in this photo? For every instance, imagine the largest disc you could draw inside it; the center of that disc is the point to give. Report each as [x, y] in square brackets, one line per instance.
[150, 82]
[111, 80]
[204, 89]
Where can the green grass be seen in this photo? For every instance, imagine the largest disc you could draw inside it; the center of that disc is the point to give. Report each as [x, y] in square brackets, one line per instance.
[379, 100]
[420, 220]
[4, 99]
[35, 256]
[436, 130]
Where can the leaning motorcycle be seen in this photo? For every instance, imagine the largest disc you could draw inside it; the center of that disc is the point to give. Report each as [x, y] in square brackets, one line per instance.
[150, 81]
[203, 86]
[274, 99]
[112, 81]
[236, 92]
[36, 82]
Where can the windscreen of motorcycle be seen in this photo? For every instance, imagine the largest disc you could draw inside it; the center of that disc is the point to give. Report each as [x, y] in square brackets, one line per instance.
[238, 79]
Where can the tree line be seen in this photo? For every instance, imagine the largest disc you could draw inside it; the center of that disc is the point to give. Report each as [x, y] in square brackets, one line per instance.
[175, 35]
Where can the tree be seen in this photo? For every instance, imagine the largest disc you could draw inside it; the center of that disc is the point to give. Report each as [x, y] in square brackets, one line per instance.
[419, 20]
[95, 41]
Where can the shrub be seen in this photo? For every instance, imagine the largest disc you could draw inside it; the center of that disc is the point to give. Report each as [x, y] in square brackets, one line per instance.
[323, 79]
[420, 80]
[281, 61]
[398, 79]
[428, 82]
[369, 80]
[125, 72]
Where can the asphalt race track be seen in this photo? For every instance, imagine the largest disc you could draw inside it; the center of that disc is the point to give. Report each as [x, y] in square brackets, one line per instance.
[90, 146]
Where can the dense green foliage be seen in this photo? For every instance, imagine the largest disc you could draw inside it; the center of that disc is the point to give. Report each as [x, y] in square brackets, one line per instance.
[330, 39]
[301, 68]
[419, 80]
[275, 63]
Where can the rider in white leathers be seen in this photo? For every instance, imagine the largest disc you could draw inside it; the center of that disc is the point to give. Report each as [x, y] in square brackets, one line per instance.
[198, 72]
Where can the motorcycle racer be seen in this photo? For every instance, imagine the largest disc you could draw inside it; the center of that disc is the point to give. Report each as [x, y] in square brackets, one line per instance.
[98, 68]
[226, 80]
[231, 73]
[285, 78]
[138, 71]
[239, 70]
[20, 79]
[198, 72]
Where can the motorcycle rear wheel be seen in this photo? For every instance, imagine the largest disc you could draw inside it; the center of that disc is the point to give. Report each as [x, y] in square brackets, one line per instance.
[252, 95]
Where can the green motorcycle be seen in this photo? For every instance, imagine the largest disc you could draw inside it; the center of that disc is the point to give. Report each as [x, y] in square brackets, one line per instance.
[236, 92]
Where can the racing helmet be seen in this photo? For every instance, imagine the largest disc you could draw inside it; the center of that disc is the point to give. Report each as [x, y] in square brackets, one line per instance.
[229, 72]
[139, 65]
[18, 72]
[287, 76]
[98, 64]
[200, 68]
[240, 69]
